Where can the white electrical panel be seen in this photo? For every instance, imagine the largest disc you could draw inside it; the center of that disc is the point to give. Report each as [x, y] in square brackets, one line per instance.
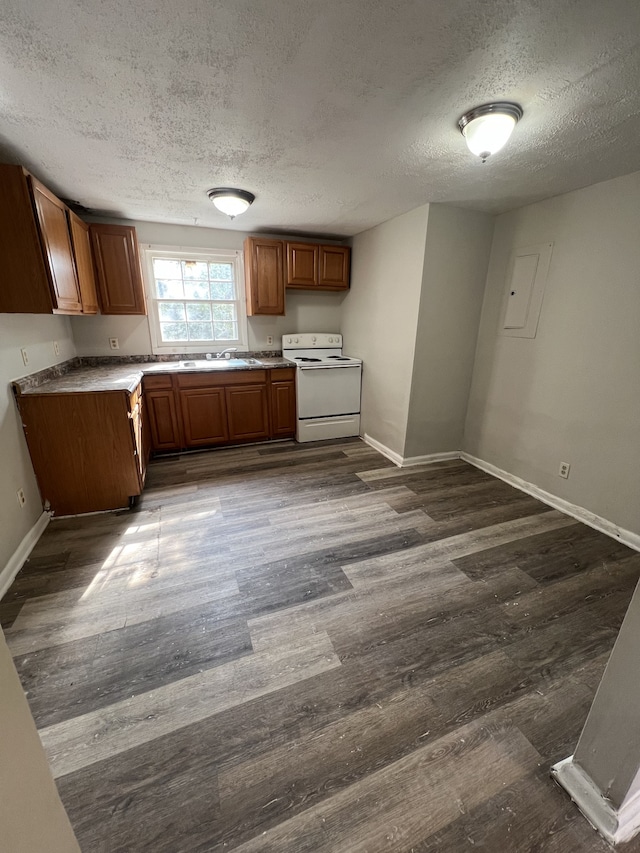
[526, 279]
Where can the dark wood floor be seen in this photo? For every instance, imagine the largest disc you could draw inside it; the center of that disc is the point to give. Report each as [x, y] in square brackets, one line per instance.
[304, 648]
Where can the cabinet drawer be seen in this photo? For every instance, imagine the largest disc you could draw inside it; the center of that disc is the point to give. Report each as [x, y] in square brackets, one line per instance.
[283, 374]
[161, 382]
[214, 379]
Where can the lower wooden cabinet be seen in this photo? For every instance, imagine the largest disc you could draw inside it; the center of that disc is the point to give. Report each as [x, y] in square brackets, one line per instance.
[204, 416]
[89, 450]
[283, 403]
[207, 409]
[163, 419]
[247, 412]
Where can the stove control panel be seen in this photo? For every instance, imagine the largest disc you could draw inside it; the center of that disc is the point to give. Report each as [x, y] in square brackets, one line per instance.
[309, 340]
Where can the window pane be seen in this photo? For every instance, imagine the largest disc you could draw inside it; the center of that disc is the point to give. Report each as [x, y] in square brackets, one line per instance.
[195, 270]
[224, 312]
[164, 268]
[225, 331]
[221, 272]
[198, 312]
[196, 289]
[200, 332]
[222, 290]
[173, 331]
[167, 289]
[171, 310]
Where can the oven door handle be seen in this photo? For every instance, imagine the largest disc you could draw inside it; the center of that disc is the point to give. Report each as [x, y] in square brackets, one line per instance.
[327, 366]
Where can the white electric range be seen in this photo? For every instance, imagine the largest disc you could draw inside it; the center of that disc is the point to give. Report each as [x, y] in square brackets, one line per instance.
[327, 385]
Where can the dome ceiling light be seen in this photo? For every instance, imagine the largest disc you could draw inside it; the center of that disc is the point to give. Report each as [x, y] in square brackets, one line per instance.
[486, 129]
[231, 201]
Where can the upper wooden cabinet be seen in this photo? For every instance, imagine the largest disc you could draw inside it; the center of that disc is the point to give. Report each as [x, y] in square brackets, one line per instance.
[118, 272]
[302, 264]
[333, 267]
[84, 263]
[315, 267]
[264, 276]
[36, 254]
[51, 214]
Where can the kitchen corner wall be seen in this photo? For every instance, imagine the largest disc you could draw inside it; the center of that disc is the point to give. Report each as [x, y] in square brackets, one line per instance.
[32, 816]
[379, 321]
[572, 393]
[456, 257]
[35, 333]
[306, 311]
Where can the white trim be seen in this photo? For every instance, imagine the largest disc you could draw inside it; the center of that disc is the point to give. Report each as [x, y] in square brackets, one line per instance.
[21, 554]
[616, 825]
[408, 461]
[181, 252]
[381, 448]
[627, 537]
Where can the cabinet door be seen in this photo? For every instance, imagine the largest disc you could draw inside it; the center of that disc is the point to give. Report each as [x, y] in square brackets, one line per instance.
[56, 240]
[83, 449]
[248, 412]
[334, 267]
[26, 288]
[204, 416]
[84, 263]
[139, 450]
[283, 408]
[264, 276]
[120, 288]
[162, 416]
[302, 264]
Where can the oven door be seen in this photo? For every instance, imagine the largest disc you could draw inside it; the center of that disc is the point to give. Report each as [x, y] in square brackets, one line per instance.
[326, 391]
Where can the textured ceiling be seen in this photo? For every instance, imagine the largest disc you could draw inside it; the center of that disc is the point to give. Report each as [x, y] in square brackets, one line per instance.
[337, 114]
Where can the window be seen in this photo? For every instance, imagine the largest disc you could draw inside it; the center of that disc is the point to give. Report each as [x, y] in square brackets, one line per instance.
[195, 300]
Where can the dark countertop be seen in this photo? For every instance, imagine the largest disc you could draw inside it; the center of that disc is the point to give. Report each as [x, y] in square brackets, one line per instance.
[127, 377]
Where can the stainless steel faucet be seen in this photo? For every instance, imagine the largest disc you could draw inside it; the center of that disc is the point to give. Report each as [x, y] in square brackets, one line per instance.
[225, 351]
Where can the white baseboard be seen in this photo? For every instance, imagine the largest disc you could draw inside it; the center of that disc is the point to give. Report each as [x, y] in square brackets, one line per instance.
[408, 461]
[17, 559]
[616, 825]
[377, 445]
[627, 537]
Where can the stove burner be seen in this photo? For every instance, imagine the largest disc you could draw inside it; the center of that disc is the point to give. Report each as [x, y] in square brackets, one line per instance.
[339, 357]
[303, 358]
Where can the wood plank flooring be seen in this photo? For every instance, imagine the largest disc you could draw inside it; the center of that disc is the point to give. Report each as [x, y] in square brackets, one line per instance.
[304, 648]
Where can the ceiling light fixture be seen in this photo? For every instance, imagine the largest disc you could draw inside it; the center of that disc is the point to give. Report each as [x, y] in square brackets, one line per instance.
[231, 201]
[486, 129]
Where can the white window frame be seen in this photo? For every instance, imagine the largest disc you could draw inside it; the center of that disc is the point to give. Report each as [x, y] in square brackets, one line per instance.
[184, 253]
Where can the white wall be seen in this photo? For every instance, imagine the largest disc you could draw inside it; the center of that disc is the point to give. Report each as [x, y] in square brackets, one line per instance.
[36, 333]
[455, 269]
[32, 818]
[571, 394]
[379, 320]
[306, 311]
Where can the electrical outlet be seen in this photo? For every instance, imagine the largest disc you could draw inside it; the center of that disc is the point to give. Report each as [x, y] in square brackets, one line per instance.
[21, 498]
[564, 470]
[114, 343]
[25, 356]
[56, 348]
[269, 339]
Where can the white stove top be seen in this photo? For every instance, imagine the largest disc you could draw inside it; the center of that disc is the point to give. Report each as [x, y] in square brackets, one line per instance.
[316, 350]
